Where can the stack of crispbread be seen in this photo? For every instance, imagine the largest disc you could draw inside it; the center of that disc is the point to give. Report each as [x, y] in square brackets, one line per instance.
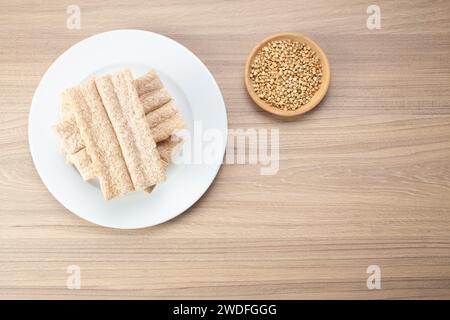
[120, 130]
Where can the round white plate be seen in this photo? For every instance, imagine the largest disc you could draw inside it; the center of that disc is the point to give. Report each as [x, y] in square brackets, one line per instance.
[196, 93]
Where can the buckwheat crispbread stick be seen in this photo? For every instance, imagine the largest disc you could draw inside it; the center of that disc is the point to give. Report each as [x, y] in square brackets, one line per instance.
[126, 113]
[155, 99]
[167, 147]
[147, 83]
[67, 130]
[66, 109]
[82, 162]
[69, 133]
[166, 128]
[161, 114]
[101, 141]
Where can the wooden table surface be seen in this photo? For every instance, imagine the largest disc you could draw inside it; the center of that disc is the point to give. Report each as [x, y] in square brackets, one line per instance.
[364, 179]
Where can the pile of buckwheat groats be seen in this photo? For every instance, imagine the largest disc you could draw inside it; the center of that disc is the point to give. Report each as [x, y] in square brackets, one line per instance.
[286, 74]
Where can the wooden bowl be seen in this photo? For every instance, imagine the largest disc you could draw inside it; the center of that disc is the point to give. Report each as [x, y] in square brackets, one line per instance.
[318, 96]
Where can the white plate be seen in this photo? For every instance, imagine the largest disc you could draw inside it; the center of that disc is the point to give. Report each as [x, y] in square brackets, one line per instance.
[195, 92]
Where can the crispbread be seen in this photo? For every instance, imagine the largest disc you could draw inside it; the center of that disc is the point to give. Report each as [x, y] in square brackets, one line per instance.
[161, 114]
[147, 83]
[166, 128]
[152, 100]
[167, 147]
[155, 99]
[66, 109]
[82, 161]
[126, 114]
[101, 142]
[69, 133]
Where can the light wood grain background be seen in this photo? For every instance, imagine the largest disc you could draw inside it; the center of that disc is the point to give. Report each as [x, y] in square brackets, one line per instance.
[364, 178]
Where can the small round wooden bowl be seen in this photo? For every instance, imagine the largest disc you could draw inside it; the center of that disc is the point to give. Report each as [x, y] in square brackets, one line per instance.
[318, 96]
